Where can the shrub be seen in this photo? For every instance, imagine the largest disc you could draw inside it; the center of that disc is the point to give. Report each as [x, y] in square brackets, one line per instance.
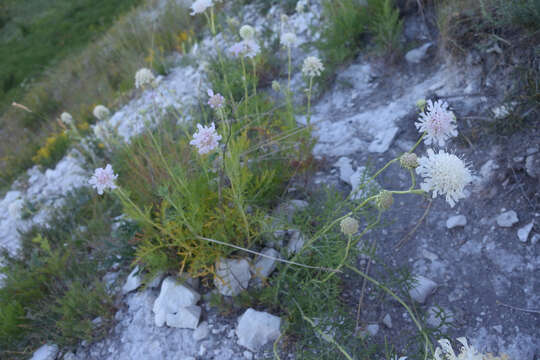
[54, 149]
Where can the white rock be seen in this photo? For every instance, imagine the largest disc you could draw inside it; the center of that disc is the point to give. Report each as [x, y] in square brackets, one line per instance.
[422, 288]
[133, 281]
[296, 243]
[415, 56]
[345, 169]
[186, 317]
[507, 219]
[201, 332]
[232, 276]
[535, 239]
[172, 298]
[455, 221]
[156, 281]
[45, 352]
[257, 328]
[248, 355]
[264, 266]
[372, 329]
[387, 321]
[532, 166]
[523, 233]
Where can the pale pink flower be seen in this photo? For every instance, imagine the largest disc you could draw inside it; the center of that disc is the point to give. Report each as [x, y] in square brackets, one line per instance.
[437, 122]
[103, 179]
[247, 48]
[216, 101]
[206, 138]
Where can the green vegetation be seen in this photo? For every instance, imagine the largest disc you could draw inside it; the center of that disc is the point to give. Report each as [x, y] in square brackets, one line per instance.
[52, 289]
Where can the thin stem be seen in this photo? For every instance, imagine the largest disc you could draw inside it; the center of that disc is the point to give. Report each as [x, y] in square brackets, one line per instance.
[244, 81]
[308, 119]
[289, 67]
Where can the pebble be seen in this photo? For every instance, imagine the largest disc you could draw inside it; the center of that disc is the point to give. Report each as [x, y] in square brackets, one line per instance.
[415, 56]
[387, 321]
[232, 276]
[523, 233]
[455, 221]
[257, 328]
[133, 281]
[201, 332]
[422, 288]
[45, 352]
[507, 219]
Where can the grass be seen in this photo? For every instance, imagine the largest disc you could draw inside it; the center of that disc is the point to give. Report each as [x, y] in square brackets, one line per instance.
[92, 76]
[52, 291]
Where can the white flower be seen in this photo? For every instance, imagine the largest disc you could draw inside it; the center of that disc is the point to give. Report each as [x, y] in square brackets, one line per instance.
[444, 174]
[247, 32]
[101, 131]
[216, 101]
[301, 6]
[144, 77]
[445, 351]
[200, 6]
[103, 179]
[205, 139]
[349, 226]
[288, 39]
[438, 122]
[312, 66]
[101, 112]
[66, 118]
[246, 48]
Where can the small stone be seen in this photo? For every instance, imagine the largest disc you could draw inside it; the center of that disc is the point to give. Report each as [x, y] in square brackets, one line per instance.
[422, 288]
[45, 352]
[265, 266]
[535, 239]
[133, 281]
[232, 276]
[438, 317]
[372, 329]
[156, 281]
[415, 56]
[248, 355]
[455, 221]
[257, 328]
[172, 298]
[201, 332]
[523, 233]
[532, 166]
[498, 328]
[186, 317]
[296, 243]
[507, 219]
[387, 321]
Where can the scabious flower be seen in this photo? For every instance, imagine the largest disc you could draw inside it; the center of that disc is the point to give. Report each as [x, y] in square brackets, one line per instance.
[349, 226]
[216, 101]
[205, 139]
[384, 200]
[409, 161]
[66, 118]
[200, 6]
[438, 122]
[247, 32]
[103, 179]
[144, 77]
[444, 174]
[312, 66]
[101, 112]
[445, 351]
[246, 48]
[288, 39]
[301, 6]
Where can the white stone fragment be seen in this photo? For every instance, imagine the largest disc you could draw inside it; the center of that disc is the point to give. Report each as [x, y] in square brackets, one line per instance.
[523, 233]
[45, 352]
[133, 281]
[535, 239]
[232, 276]
[345, 169]
[422, 288]
[415, 56]
[372, 329]
[186, 317]
[257, 328]
[154, 283]
[455, 221]
[387, 321]
[296, 243]
[201, 332]
[265, 266]
[507, 219]
[172, 298]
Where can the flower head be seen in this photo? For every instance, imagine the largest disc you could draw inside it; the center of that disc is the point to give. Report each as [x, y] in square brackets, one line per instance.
[288, 39]
[103, 179]
[444, 174]
[438, 122]
[246, 48]
[445, 351]
[205, 139]
[276, 86]
[101, 112]
[349, 226]
[216, 101]
[144, 77]
[312, 66]
[384, 200]
[247, 32]
[301, 6]
[66, 118]
[409, 161]
[200, 6]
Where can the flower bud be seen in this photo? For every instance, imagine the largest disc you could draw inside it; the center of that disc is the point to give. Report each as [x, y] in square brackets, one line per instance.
[275, 86]
[247, 32]
[409, 161]
[349, 226]
[384, 200]
[421, 105]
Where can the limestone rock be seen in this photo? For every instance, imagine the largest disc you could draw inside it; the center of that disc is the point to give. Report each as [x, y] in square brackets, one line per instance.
[257, 328]
[133, 281]
[422, 288]
[387, 321]
[532, 166]
[507, 219]
[186, 317]
[523, 233]
[455, 221]
[201, 332]
[172, 298]
[45, 352]
[415, 56]
[264, 266]
[296, 242]
[232, 276]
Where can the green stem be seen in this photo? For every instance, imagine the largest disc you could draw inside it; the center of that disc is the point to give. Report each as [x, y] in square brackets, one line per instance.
[244, 81]
[289, 69]
[308, 119]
